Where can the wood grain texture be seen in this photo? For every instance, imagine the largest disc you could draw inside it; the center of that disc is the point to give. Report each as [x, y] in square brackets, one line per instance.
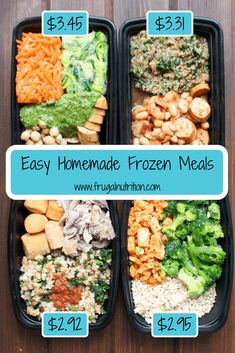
[119, 336]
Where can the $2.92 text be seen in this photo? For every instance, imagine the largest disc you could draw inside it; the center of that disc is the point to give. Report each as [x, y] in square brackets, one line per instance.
[60, 324]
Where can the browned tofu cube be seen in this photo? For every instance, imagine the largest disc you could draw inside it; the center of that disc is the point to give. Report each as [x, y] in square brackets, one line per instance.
[143, 237]
[131, 245]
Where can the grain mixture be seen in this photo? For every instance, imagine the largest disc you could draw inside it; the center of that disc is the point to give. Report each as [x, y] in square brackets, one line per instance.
[170, 295]
[162, 64]
[83, 283]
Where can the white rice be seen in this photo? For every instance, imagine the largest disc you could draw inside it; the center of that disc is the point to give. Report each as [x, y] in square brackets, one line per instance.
[170, 295]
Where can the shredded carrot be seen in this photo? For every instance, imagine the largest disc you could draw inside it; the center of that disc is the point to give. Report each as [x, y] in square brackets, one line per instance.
[39, 68]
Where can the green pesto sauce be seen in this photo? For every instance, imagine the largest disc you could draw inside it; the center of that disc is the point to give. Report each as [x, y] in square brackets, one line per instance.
[66, 114]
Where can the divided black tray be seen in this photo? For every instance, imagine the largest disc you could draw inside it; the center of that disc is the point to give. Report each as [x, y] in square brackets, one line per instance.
[207, 28]
[218, 315]
[15, 253]
[33, 24]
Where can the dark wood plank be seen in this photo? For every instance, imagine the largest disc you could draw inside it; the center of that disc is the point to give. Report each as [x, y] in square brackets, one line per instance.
[222, 341]
[13, 337]
[103, 8]
[124, 10]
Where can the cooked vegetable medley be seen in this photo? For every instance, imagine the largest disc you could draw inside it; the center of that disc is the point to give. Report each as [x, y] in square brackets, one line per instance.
[162, 64]
[85, 63]
[175, 240]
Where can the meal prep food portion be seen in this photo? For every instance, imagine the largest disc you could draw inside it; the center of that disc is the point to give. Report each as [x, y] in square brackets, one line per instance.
[162, 64]
[174, 255]
[67, 262]
[174, 72]
[66, 81]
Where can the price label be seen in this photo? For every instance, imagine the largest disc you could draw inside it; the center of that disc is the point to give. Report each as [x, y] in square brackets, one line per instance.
[174, 324]
[65, 23]
[169, 23]
[65, 324]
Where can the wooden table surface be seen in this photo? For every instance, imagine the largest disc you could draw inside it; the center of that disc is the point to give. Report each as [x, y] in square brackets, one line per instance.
[119, 336]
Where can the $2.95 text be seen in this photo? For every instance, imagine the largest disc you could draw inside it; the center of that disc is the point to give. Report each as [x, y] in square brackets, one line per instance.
[169, 324]
[175, 324]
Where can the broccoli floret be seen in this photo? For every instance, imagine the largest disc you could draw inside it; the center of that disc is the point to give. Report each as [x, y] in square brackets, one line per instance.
[214, 228]
[196, 285]
[170, 267]
[188, 210]
[171, 229]
[182, 231]
[210, 254]
[174, 249]
[214, 211]
[210, 273]
[171, 208]
[201, 228]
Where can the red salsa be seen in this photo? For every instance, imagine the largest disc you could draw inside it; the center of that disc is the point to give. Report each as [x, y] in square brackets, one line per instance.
[63, 294]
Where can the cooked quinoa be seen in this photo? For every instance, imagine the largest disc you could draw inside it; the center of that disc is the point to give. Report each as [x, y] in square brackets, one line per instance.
[161, 64]
[170, 295]
[90, 271]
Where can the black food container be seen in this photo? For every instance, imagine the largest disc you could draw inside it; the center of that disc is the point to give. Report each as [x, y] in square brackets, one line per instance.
[15, 253]
[33, 24]
[207, 28]
[218, 315]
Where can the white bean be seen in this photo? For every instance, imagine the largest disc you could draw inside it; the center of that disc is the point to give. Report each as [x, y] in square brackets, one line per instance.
[29, 142]
[54, 131]
[45, 131]
[58, 138]
[35, 136]
[42, 124]
[25, 135]
[39, 142]
[63, 142]
[48, 140]
[36, 128]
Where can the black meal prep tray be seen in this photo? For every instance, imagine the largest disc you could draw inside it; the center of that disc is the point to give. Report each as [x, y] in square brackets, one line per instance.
[214, 34]
[218, 315]
[207, 28]
[109, 127]
[15, 253]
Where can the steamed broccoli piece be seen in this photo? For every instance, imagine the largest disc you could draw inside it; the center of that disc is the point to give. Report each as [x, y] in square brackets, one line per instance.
[176, 250]
[182, 231]
[214, 211]
[200, 228]
[170, 267]
[171, 229]
[188, 210]
[210, 254]
[214, 228]
[210, 273]
[171, 208]
[196, 284]
[183, 212]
